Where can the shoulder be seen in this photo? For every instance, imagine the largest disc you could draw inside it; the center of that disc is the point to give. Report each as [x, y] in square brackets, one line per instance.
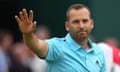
[54, 48]
[55, 40]
[97, 48]
[55, 43]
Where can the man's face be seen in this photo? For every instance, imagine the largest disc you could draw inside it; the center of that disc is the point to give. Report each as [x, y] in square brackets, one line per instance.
[79, 24]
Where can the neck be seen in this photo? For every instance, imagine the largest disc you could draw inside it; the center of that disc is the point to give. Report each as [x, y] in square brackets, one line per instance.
[83, 42]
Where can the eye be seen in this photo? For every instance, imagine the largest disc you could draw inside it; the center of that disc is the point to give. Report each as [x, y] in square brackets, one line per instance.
[85, 20]
[75, 21]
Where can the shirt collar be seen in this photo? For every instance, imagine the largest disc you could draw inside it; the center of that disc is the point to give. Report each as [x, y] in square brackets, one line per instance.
[71, 42]
[75, 45]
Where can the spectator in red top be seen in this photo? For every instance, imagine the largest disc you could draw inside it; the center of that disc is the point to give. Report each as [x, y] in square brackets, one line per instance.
[113, 42]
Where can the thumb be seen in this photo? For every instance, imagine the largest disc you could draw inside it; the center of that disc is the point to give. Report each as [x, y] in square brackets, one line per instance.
[34, 24]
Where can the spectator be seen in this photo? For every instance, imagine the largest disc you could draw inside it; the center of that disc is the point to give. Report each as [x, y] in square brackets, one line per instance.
[114, 44]
[6, 41]
[19, 60]
[108, 53]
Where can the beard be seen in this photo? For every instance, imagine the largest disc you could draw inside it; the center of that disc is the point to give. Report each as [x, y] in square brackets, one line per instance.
[79, 36]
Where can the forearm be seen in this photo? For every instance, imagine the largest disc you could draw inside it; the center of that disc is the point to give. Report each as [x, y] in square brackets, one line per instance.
[36, 45]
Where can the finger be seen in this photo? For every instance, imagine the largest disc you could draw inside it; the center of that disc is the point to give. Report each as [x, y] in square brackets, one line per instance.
[31, 15]
[34, 24]
[17, 19]
[25, 15]
[21, 15]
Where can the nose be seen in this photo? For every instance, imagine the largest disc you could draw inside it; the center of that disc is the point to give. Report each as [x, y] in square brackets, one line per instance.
[81, 25]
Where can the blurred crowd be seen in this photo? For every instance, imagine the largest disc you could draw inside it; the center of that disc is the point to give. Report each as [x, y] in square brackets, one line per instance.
[16, 57]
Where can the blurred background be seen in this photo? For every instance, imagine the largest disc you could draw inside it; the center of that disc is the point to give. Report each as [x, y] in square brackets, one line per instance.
[50, 14]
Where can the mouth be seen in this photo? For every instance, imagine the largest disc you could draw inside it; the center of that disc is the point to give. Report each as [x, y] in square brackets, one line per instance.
[82, 33]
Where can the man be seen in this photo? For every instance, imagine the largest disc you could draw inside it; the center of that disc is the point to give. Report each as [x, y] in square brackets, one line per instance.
[73, 53]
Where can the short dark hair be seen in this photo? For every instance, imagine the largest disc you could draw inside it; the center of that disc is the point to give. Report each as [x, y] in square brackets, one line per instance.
[76, 7]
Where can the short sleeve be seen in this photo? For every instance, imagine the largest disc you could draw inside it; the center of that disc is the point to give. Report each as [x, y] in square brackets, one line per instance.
[53, 50]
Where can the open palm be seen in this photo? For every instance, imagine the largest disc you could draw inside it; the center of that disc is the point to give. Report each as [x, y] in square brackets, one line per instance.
[25, 21]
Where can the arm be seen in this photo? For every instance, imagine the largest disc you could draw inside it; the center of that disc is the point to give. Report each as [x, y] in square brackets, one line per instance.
[27, 27]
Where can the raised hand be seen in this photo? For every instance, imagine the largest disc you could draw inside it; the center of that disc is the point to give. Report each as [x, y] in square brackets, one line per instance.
[25, 21]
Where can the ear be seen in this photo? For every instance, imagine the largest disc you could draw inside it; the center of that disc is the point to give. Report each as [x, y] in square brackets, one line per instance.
[92, 23]
[67, 26]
